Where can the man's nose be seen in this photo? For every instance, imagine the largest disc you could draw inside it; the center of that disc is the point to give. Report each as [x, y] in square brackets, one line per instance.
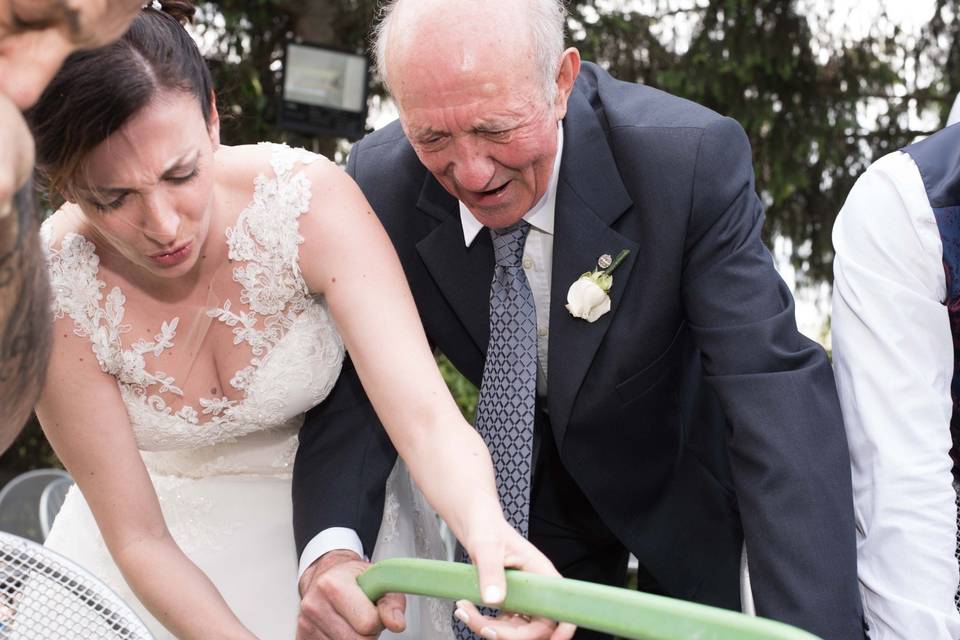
[473, 169]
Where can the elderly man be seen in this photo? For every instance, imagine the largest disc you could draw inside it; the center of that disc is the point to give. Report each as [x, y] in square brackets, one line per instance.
[663, 405]
[35, 38]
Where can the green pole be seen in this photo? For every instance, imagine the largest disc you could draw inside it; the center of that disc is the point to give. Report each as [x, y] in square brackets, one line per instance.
[621, 612]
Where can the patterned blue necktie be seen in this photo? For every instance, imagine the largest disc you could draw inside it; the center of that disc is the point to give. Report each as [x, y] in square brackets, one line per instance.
[505, 409]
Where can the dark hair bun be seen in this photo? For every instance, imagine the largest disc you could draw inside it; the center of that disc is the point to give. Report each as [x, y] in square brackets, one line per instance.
[181, 10]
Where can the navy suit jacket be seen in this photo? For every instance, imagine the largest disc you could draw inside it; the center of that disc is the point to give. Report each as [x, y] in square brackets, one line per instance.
[692, 415]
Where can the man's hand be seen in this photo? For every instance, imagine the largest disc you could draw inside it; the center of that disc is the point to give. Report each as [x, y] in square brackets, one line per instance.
[333, 607]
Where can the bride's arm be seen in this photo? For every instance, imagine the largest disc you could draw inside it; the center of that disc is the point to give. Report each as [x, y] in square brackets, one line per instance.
[84, 418]
[347, 256]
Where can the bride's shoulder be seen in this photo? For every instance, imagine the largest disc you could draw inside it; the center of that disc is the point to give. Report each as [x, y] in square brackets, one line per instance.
[238, 166]
[73, 269]
[332, 190]
[243, 164]
[66, 222]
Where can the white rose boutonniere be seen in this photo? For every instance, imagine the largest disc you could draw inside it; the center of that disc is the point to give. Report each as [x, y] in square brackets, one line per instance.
[588, 298]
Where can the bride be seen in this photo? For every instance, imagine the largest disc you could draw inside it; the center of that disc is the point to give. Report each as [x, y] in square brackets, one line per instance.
[204, 298]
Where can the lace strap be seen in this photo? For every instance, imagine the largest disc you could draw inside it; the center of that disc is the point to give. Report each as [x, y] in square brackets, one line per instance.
[73, 279]
[266, 237]
[283, 161]
[76, 292]
[283, 158]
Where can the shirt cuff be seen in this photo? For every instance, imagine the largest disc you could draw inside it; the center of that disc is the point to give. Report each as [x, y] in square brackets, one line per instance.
[329, 540]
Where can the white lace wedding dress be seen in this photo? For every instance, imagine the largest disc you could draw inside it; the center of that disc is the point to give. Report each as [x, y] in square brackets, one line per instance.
[222, 467]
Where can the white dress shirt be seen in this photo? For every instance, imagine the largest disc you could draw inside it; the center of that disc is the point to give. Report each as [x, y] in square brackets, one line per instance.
[538, 267]
[537, 258]
[893, 357]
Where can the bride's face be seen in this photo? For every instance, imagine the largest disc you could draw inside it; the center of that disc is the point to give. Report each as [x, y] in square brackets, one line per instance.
[147, 190]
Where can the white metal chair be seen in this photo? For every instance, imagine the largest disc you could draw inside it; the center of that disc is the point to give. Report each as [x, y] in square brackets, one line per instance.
[44, 596]
[20, 502]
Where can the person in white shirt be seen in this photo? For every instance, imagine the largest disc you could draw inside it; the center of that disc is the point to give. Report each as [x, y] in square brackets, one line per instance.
[895, 328]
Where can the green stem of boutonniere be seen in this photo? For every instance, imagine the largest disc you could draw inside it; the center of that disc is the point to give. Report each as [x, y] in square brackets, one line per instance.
[616, 261]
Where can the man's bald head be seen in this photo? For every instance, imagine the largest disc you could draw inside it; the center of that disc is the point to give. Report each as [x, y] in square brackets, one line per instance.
[461, 34]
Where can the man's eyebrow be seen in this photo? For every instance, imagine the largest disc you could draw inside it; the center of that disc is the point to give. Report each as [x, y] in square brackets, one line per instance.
[492, 126]
[427, 132]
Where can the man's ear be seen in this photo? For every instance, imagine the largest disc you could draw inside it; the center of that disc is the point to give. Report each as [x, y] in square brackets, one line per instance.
[567, 74]
[213, 127]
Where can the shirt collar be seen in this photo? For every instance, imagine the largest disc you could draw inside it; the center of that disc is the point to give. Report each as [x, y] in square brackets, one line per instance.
[540, 216]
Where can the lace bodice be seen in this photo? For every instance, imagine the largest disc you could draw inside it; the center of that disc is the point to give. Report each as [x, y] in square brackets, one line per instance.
[295, 353]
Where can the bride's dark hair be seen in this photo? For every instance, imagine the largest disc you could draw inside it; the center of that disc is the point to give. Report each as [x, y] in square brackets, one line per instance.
[96, 92]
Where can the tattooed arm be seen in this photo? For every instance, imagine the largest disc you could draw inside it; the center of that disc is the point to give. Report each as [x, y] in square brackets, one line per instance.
[35, 37]
[24, 292]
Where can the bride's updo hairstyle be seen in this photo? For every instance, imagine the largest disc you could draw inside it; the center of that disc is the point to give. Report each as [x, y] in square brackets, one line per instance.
[97, 92]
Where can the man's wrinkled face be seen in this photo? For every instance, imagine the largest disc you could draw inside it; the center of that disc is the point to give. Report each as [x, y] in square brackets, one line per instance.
[490, 140]
[485, 128]
[37, 35]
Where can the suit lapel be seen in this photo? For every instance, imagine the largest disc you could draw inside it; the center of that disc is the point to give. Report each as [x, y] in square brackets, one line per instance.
[462, 273]
[590, 197]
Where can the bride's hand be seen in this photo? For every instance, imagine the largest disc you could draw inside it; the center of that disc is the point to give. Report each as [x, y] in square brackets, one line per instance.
[493, 546]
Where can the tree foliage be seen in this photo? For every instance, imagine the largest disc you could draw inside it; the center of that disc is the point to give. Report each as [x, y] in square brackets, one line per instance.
[818, 105]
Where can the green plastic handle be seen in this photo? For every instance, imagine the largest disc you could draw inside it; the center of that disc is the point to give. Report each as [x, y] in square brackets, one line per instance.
[621, 612]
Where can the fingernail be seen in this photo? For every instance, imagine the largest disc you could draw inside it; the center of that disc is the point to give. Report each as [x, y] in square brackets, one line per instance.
[492, 594]
[397, 615]
[461, 615]
[488, 633]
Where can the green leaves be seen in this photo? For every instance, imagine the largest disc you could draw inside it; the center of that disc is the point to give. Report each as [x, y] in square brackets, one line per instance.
[818, 104]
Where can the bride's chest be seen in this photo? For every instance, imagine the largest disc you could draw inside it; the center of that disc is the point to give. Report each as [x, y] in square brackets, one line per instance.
[203, 378]
[250, 351]
[254, 350]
